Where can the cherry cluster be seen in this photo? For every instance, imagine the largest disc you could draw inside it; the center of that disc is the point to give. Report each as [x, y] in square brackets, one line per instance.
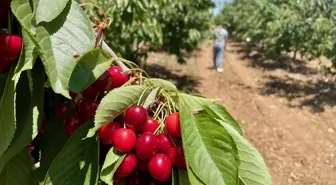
[136, 134]
[85, 108]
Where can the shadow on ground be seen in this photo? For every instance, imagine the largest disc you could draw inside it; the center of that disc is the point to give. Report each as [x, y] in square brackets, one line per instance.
[312, 92]
[182, 81]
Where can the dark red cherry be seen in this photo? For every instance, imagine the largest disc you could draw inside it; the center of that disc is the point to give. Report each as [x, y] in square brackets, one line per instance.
[90, 93]
[61, 109]
[135, 118]
[5, 65]
[86, 109]
[73, 94]
[151, 125]
[102, 83]
[172, 124]
[127, 166]
[176, 156]
[117, 179]
[146, 146]
[124, 140]
[160, 167]
[107, 131]
[10, 46]
[165, 143]
[71, 124]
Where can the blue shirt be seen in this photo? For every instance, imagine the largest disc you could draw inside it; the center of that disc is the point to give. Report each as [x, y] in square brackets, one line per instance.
[220, 36]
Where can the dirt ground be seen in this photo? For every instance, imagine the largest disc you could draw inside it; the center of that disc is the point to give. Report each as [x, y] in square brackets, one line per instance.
[287, 108]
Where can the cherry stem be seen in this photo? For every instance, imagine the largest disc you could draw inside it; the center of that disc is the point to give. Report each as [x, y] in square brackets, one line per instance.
[107, 48]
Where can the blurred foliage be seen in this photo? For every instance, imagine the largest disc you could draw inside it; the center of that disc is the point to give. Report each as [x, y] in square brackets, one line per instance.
[305, 26]
[139, 26]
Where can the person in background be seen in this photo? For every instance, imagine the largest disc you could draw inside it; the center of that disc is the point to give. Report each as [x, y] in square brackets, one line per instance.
[220, 38]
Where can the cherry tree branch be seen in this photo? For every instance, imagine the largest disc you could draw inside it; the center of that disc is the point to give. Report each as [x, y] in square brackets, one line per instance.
[107, 48]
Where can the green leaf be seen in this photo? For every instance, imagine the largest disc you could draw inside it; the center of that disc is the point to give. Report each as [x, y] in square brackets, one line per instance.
[48, 10]
[194, 180]
[220, 112]
[252, 169]
[195, 103]
[151, 98]
[18, 170]
[164, 84]
[28, 56]
[210, 150]
[23, 11]
[29, 113]
[183, 178]
[3, 79]
[60, 40]
[7, 112]
[112, 161]
[115, 103]
[78, 161]
[89, 67]
[52, 142]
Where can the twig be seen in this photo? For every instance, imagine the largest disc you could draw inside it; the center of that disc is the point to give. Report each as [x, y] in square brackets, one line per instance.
[106, 48]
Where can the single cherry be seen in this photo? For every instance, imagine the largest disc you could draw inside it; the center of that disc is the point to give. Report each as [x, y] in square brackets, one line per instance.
[117, 76]
[71, 124]
[90, 93]
[172, 124]
[135, 118]
[61, 109]
[124, 140]
[165, 143]
[150, 125]
[146, 146]
[160, 167]
[127, 166]
[10, 45]
[176, 156]
[86, 109]
[107, 131]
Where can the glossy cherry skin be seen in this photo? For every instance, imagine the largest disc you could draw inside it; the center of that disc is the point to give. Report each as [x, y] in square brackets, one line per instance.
[117, 76]
[107, 131]
[176, 156]
[61, 109]
[102, 83]
[150, 125]
[127, 166]
[124, 140]
[165, 143]
[160, 167]
[146, 146]
[71, 124]
[135, 118]
[10, 46]
[172, 124]
[86, 109]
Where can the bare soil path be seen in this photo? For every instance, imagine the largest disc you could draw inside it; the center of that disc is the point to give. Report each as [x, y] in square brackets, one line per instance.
[287, 110]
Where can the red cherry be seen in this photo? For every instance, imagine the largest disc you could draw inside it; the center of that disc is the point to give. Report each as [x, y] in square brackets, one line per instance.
[176, 156]
[102, 83]
[127, 166]
[10, 46]
[61, 109]
[86, 109]
[124, 140]
[119, 79]
[106, 132]
[172, 123]
[150, 125]
[71, 124]
[143, 165]
[146, 146]
[135, 118]
[73, 94]
[160, 167]
[114, 69]
[90, 93]
[165, 143]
